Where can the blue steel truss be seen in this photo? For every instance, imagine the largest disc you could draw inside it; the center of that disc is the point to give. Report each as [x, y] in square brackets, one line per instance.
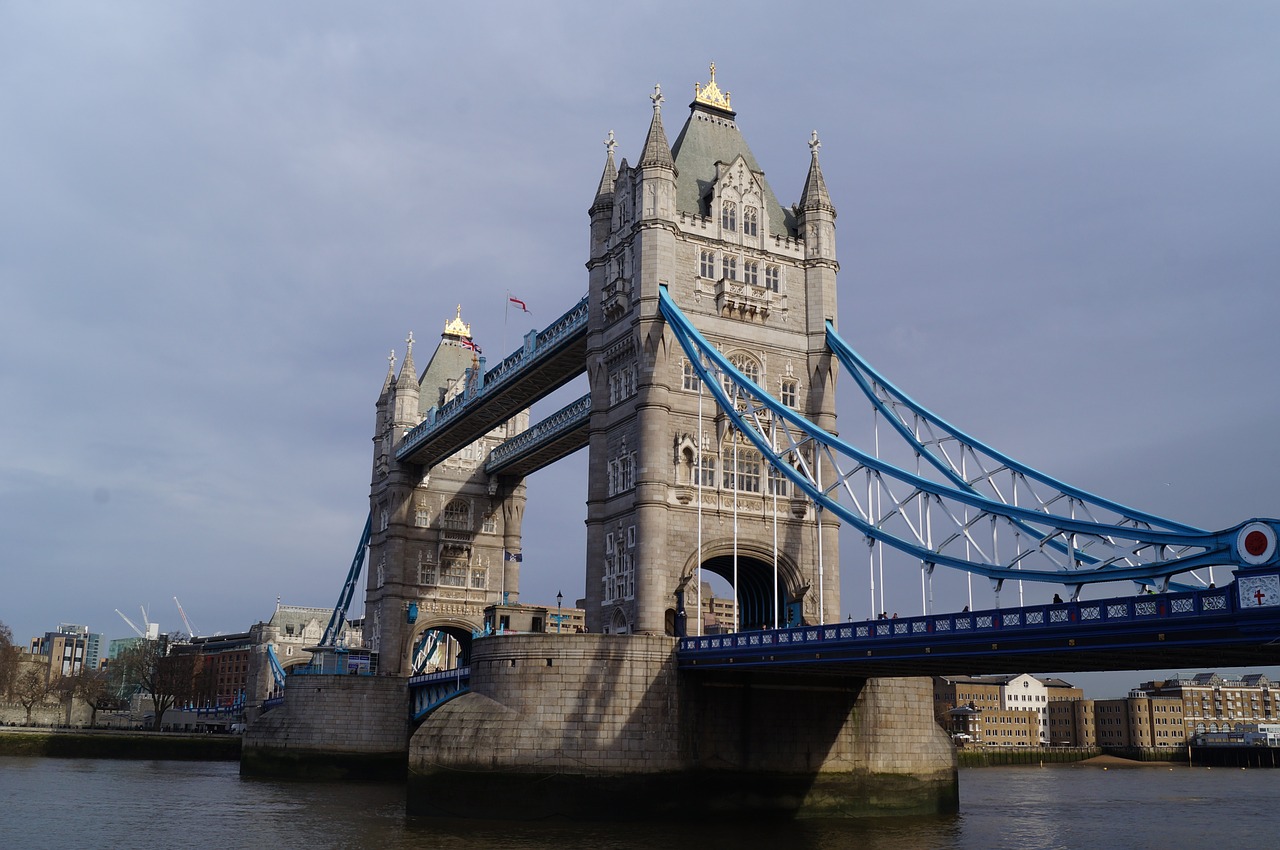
[339, 616]
[1000, 519]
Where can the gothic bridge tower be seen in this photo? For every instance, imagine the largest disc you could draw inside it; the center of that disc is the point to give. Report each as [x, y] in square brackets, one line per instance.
[444, 540]
[669, 487]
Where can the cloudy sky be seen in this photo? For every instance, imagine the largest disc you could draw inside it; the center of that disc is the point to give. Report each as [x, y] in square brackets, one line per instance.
[1057, 227]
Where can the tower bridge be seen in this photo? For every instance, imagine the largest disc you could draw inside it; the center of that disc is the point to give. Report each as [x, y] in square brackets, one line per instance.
[708, 338]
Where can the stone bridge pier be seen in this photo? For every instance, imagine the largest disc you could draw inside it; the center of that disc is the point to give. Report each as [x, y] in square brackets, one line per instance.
[592, 726]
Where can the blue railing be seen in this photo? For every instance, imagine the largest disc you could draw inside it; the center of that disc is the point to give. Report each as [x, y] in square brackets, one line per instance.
[428, 691]
[536, 347]
[1065, 616]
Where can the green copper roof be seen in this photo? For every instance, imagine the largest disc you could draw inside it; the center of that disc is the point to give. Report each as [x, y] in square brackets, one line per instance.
[711, 136]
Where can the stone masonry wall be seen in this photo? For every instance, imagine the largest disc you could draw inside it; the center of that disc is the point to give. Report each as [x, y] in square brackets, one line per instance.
[332, 720]
[580, 703]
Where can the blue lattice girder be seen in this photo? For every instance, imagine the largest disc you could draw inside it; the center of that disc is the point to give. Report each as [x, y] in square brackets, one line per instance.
[900, 508]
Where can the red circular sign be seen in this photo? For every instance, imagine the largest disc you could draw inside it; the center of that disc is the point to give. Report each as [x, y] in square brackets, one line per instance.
[1255, 543]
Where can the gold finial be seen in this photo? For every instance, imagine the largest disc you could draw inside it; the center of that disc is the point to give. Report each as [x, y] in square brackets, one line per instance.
[457, 327]
[711, 95]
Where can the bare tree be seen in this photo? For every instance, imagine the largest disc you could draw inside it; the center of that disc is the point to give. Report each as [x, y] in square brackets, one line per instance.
[8, 661]
[167, 678]
[31, 689]
[96, 688]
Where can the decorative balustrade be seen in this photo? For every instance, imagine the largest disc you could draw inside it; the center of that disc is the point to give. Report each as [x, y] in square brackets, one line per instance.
[1053, 618]
[564, 419]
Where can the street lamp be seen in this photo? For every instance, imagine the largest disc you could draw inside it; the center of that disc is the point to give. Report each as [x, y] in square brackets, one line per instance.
[559, 616]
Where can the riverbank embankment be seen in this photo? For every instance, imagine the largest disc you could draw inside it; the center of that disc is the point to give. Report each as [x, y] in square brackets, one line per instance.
[111, 744]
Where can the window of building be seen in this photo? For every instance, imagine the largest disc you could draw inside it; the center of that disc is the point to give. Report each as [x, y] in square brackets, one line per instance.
[457, 515]
[490, 524]
[742, 473]
[729, 215]
[478, 578]
[453, 572]
[788, 393]
[729, 267]
[689, 376]
[707, 472]
[779, 485]
[751, 272]
[421, 513]
[772, 278]
[750, 220]
[707, 264]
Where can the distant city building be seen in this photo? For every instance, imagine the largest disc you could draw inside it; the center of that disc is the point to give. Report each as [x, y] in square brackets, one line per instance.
[518, 617]
[993, 727]
[1214, 703]
[69, 649]
[990, 695]
[223, 673]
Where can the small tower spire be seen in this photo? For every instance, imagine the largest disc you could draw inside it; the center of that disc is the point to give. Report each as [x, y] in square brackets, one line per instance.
[391, 373]
[656, 150]
[814, 196]
[408, 374]
[608, 180]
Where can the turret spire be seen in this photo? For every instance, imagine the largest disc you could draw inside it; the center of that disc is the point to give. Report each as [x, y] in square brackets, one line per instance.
[391, 372]
[604, 194]
[815, 194]
[408, 373]
[656, 150]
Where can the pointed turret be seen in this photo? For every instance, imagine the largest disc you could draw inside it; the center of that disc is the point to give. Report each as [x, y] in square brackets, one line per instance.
[391, 375]
[814, 196]
[657, 153]
[608, 180]
[816, 214]
[406, 392]
[408, 374]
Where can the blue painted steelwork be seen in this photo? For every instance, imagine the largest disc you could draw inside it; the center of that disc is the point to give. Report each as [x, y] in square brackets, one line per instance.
[277, 671]
[570, 416]
[563, 331]
[426, 647]
[339, 616]
[1220, 625]
[429, 691]
[1048, 545]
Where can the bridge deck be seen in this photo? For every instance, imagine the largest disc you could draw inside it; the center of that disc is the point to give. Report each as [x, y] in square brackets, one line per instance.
[548, 361]
[1202, 628]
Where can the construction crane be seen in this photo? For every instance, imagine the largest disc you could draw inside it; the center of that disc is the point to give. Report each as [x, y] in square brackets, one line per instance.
[191, 630]
[136, 630]
[152, 631]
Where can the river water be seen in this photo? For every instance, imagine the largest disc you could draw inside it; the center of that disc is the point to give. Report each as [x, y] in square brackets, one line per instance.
[81, 803]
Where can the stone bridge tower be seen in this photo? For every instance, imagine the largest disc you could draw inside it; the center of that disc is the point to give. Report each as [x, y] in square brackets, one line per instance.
[445, 540]
[759, 280]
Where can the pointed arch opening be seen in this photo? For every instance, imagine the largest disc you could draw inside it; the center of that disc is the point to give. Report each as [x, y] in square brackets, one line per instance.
[440, 645]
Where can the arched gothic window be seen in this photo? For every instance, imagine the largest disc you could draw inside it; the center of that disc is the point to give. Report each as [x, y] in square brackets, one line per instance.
[729, 215]
[457, 515]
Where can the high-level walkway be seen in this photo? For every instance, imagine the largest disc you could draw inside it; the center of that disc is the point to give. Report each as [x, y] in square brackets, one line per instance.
[547, 361]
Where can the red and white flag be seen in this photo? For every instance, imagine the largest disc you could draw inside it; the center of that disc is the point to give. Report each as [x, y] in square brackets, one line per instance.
[518, 303]
[469, 344]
